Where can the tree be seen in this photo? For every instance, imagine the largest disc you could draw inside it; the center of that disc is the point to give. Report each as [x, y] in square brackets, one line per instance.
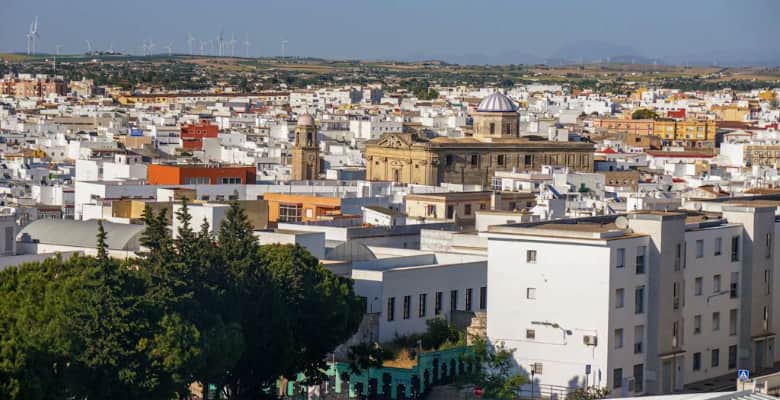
[495, 371]
[102, 246]
[644, 113]
[363, 356]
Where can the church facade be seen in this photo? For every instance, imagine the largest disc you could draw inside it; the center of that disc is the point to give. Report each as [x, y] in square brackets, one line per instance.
[495, 146]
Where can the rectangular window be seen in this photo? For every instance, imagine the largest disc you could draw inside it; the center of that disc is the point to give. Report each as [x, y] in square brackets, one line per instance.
[618, 338]
[450, 211]
[640, 259]
[639, 336]
[733, 357]
[530, 256]
[617, 378]
[714, 358]
[677, 257]
[492, 128]
[197, 181]
[639, 300]
[423, 305]
[619, 298]
[696, 324]
[9, 239]
[718, 246]
[698, 286]
[430, 210]
[437, 303]
[453, 300]
[230, 181]
[467, 209]
[530, 293]
[697, 361]
[716, 321]
[407, 306]
[390, 308]
[620, 258]
[530, 334]
[528, 159]
[716, 283]
[290, 212]
[733, 322]
[483, 297]
[734, 285]
[469, 296]
[768, 245]
[474, 160]
[735, 248]
[500, 160]
[639, 378]
[699, 248]
[448, 160]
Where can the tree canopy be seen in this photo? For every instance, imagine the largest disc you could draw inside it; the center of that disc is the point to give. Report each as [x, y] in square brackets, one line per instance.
[218, 310]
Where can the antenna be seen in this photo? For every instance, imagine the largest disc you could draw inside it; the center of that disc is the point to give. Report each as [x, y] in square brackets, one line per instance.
[247, 43]
[190, 40]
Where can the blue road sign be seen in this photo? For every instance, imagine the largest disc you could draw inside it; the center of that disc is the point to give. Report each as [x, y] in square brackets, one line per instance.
[743, 375]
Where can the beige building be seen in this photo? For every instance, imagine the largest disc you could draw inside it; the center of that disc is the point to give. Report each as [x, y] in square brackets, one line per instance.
[495, 145]
[462, 207]
[306, 151]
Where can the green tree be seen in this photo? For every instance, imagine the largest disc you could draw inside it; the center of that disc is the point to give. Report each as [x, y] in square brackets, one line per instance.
[644, 113]
[495, 371]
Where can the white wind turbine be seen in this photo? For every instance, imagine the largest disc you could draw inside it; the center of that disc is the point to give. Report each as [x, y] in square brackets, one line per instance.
[32, 36]
[190, 40]
[247, 43]
[232, 44]
[170, 49]
[89, 46]
[202, 47]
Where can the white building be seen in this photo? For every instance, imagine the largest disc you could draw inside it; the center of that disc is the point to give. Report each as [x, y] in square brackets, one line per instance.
[648, 303]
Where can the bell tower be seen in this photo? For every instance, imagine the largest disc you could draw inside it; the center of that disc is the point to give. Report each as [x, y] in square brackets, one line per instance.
[306, 150]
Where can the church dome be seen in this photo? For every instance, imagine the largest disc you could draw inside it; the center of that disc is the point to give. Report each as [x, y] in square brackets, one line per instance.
[497, 102]
[306, 120]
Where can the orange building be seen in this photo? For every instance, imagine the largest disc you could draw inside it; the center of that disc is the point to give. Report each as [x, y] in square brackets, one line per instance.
[32, 87]
[283, 207]
[163, 174]
[192, 134]
[640, 127]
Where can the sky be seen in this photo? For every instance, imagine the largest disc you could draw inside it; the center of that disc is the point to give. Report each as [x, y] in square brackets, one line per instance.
[475, 31]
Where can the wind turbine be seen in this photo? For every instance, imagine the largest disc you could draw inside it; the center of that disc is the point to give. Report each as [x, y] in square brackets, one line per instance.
[89, 46]
[150, 46]
[232, 44]
[32, 37]
[57, 49]
[170, 48]
[247, 43]
[284, 48]
[190, 40]
[211, 44]
[202, 46]
[221, 43]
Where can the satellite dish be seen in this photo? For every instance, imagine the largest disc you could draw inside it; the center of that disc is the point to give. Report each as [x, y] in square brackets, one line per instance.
[621, 222]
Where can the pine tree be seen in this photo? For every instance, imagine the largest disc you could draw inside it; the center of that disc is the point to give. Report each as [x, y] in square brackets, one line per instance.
[102, 246]
[185, 237]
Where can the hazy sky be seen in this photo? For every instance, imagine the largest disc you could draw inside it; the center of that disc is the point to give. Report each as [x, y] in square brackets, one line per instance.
[672, 29]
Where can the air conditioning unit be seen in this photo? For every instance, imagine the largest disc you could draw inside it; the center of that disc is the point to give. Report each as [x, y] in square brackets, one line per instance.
[590, 340]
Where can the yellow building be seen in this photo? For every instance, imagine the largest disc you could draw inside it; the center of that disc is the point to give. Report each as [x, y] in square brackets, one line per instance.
[495, 145]
[688, 133]
[731, 112]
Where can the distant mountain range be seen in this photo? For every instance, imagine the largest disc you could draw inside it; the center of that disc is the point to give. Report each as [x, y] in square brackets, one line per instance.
[588, 52]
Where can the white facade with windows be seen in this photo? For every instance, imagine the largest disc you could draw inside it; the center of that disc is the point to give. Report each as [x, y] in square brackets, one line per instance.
[667, 300]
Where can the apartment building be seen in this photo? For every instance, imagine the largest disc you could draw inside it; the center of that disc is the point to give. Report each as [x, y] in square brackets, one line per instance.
[640, 304]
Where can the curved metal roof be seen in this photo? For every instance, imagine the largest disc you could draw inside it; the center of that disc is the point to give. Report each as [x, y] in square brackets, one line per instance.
[82, 233]
[497, 102]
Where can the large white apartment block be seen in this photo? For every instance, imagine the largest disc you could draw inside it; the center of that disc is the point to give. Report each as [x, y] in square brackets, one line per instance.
[642, 304]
